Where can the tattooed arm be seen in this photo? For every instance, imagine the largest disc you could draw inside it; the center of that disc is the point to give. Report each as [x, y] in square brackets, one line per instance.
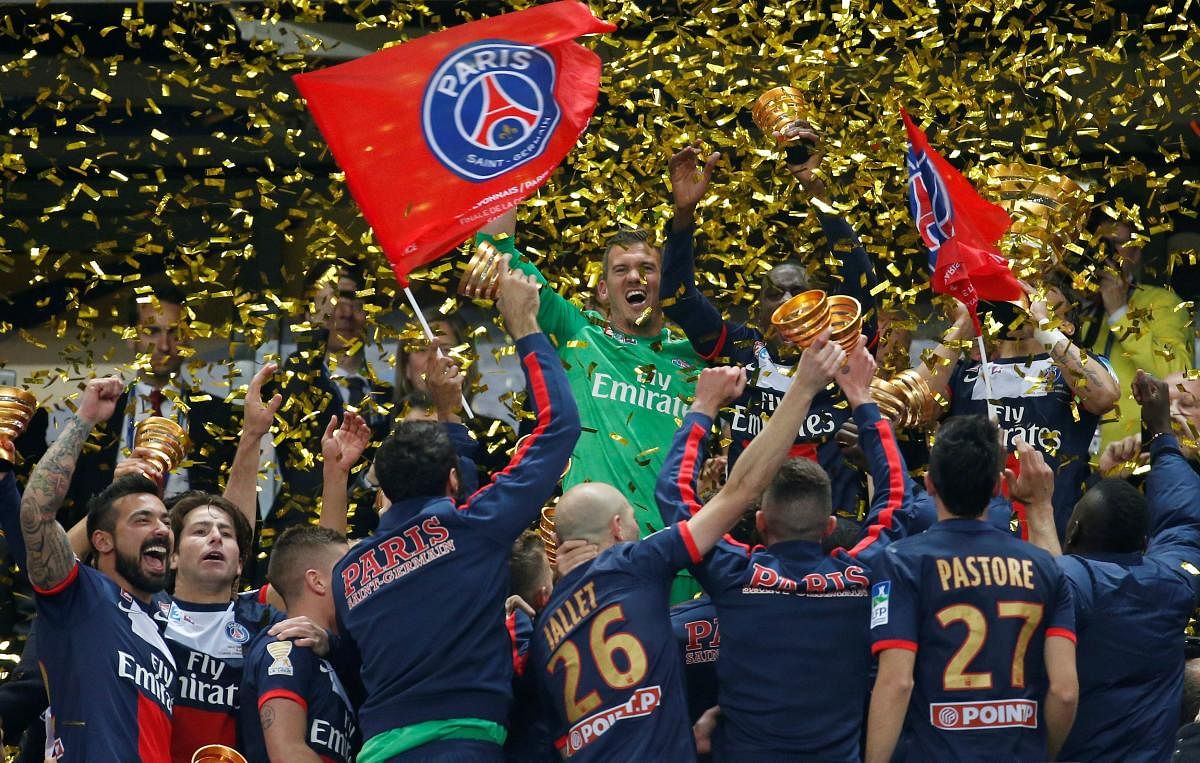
[1089, 379]
[50, 559]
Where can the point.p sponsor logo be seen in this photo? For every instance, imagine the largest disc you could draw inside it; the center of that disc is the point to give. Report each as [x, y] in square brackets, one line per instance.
[993, 714]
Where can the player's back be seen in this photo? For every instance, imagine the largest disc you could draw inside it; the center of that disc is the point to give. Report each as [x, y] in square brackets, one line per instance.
[976, 604]
[429, 578]
[607, 659]
[1130, 612]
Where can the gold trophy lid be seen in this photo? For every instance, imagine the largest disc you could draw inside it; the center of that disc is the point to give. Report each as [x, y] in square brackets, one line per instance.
[167, 440]
[217, 753]
[800, 319]
[845, 320]
[481, 278]
[782, 109]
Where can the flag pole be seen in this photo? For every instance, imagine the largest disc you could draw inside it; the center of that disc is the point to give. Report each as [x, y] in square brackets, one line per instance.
[987, 380]
[412, 300]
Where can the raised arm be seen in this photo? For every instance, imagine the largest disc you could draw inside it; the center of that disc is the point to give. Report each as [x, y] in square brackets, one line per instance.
[1034, 487]
[258, 415]
[710, 334]
[341, 447]
[675, 490]
[766, 452]
[556, 316]
[937, 366]
[891, 507]
[516, 495]
[1172, 486]
[1090, 380]
[50, 559]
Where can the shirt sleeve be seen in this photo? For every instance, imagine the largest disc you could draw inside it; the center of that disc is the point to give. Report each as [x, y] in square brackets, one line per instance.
[556, 315]
[515, 496]
[1172, 487]
[858, 277]
[660, 555]
[283, 670]
[10, 518]
[66, 602]
[894, 606]
[683, 304]
[891, 509]
[1061, 608]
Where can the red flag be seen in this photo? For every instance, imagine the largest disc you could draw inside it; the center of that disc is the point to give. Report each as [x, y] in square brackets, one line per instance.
[441, 134]
[960, 227]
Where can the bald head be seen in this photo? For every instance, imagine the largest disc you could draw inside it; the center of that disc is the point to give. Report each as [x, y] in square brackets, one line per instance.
[587, 512]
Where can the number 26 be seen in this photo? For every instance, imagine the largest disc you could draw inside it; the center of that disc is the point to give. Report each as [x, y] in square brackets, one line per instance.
[603, 649]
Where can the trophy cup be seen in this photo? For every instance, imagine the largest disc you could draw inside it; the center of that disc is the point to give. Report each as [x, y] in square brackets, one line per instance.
[217, 753]
[906, 401]
[782, 110]
[166, 441]
[16, 409]
[845, 320]
[802, 318]
[1048, 211]
[481, 279]
[546, 532]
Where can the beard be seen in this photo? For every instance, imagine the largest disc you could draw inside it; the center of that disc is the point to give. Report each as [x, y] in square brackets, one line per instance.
[130, 568]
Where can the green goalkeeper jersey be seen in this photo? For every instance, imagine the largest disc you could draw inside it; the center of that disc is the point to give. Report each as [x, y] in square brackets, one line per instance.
[632, 393]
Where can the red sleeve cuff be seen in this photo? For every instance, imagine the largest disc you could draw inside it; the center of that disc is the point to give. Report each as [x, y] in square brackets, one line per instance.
[1061, 633]
[893, 643]
[282, 694]
[689, 542]
[262, 593]
[64, 585]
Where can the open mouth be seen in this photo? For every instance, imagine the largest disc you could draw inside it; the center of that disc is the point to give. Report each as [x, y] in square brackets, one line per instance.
[636, 297]
[213, 556]
[154, 558]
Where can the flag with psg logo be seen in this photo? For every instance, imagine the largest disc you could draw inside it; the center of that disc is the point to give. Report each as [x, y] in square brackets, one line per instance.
[960, 228]
[446, 132]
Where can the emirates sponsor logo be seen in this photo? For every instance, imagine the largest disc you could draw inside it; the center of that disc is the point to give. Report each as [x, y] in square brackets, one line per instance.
[995, 714]
[643, 702]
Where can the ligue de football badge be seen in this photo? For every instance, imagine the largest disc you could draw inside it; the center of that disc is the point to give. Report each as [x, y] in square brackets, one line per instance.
[282, 666]
[489, 108]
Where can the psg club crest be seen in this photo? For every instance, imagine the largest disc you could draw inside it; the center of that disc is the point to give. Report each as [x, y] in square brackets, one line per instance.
[236, 632]
[490, 108]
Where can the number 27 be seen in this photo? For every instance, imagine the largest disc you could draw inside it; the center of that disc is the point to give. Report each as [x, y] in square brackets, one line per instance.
[956, 676]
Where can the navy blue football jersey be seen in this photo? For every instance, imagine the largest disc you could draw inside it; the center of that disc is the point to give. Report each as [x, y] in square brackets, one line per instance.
[976, 605]
[208, 642]
[699, 637]
[718, 340]
[1130, 610]
[111, 677]
[280, 669]
[1033, 402]
[606, 658]
[790, 609]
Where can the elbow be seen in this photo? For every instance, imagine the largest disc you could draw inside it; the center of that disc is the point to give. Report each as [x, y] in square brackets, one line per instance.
[1103, 400]
[1064, 693]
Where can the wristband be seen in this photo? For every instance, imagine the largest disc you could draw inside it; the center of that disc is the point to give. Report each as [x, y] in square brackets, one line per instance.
[1050, 339]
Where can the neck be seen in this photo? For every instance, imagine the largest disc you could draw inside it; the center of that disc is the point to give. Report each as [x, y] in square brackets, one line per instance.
[201, 592]
[109, 569]
[343, 359]
[651, 327]
[1015, 348]
[310, 607]
[155, 381]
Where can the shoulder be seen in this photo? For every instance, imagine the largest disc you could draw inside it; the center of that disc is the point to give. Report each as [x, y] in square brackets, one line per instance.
[1155, 295]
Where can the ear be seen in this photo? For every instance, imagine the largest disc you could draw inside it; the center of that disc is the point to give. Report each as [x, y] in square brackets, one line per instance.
[1071, 536]
[830, 526]
[103, 541]
[602, 292]
[760, 523]
[615, 529]
[929, 488]
[315, 583]
[452, 483]
[541, 598]
[173, 562]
